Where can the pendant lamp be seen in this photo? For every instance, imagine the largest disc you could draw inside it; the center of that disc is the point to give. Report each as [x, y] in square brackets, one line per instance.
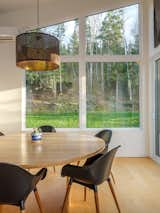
[37, 51]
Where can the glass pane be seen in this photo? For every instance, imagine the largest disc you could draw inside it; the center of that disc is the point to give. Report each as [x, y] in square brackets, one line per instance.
[68, 34]
[157, 108]
[113, 32]
[52, 97]
[112, 94]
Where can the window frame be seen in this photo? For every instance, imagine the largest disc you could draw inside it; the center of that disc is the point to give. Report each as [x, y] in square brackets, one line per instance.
[82, 58]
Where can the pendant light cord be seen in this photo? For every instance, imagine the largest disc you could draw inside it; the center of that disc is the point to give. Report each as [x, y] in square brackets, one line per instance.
[37, 14]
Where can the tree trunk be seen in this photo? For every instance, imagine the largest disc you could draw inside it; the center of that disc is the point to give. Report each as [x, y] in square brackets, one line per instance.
[102, 77]
[55, 86]
[60, 81]
[117, 91]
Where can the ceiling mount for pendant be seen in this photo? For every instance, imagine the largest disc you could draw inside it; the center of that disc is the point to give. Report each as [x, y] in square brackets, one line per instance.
[37, 51]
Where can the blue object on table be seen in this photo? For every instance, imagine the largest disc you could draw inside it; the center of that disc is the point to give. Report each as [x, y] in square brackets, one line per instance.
[36, 136]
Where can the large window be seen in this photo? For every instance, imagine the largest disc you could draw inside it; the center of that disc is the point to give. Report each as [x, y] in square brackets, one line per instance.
[112, 94]
[97, 85]
[52, 97]
[114, 32]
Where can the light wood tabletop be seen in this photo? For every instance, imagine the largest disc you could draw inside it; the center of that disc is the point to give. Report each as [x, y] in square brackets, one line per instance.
[54, 149]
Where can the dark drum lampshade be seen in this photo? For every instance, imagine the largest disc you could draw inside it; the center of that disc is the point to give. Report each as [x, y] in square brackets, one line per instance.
[37, 51]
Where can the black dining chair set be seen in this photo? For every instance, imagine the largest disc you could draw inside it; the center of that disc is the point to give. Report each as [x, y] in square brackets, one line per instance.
[16, 183]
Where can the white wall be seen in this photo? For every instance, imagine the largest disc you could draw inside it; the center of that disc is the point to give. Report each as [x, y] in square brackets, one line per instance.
[134, 141]
[10, 89]
[131, 141]
[58, 11]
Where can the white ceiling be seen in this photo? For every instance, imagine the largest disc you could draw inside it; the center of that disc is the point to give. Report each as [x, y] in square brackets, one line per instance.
[13, 5]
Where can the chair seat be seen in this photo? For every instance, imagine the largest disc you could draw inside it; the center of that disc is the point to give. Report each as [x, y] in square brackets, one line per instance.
[82, 174]
[77, 173]
[90, 160]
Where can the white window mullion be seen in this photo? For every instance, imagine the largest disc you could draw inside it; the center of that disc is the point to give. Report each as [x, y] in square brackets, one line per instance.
[70, 58]
[82, 75]
[113, 58]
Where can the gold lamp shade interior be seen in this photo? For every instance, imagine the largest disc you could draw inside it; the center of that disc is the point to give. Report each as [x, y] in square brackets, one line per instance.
[37, 51]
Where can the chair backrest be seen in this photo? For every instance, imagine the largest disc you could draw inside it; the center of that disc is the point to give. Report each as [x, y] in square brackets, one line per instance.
[47, 128]
[106, 135]
[100, 169]
[15, 184]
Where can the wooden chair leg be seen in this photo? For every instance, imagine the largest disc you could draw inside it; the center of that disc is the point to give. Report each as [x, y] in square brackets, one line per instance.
[1, 208]
[22, 211]
[67, 181]
[96, 200]
[113, 177]
[22, 206]
[67, 194]
[85, 193]
[114, 195]
[38, 200]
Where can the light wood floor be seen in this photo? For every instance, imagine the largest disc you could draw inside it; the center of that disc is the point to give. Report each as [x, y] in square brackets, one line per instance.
[137, 187]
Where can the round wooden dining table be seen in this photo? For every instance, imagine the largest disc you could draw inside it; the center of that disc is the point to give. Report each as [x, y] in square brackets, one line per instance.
[54, 148]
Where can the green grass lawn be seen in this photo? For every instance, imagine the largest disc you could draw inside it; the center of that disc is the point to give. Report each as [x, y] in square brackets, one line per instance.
[94, 119]
[113, 119]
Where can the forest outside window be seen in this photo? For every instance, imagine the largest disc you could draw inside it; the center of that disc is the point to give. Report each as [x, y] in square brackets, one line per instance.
[110, 97]
[52, 97]
[112, 94]
[68, 35]
[114, 32]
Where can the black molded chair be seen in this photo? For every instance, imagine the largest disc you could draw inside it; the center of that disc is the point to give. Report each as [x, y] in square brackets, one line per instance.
[95, 171]
[17, 183]
[106, 135]
[47, 128]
